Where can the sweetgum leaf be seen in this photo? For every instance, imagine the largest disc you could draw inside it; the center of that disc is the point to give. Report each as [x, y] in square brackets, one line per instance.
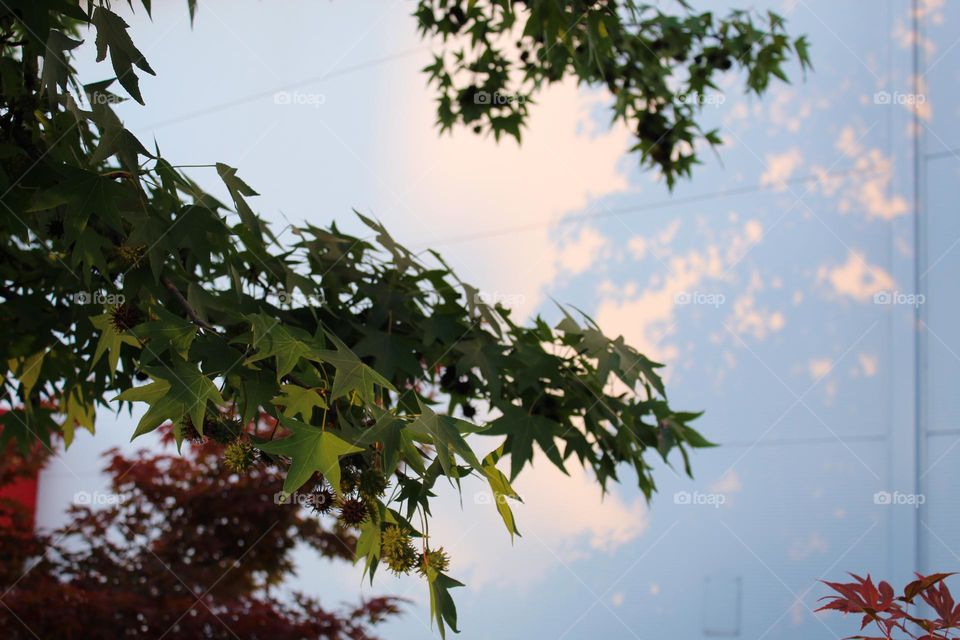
[310, 450]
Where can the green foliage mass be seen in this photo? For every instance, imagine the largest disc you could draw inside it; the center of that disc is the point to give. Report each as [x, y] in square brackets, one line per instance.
[662, 68]
[124, 283]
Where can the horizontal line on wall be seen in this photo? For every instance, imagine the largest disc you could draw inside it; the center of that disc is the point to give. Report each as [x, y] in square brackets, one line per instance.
[942, 432]
[662, 204]
[817, 440]
[949, 153]
[286, 87]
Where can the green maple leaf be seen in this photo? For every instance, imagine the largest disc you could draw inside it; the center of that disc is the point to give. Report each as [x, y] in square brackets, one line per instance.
[391, 353]
[598, 346]
[396, 441]
[177, 392]
[110, 341]
[401, 255]
[368, 543]
[112, 34]
[149, 393]
[477, 307]
[115, 139]
[27, 371]
[352, 375]
[271, 339]
[500, 486]
[256, 390]
[483, 354]
[56, 69]
[166, 332]
[368, 546]
[239, 190]
[78, 412]
[297, 399]
[310, 450]
[446, 434]
[88, 251]
[442, 608]
[523, 429]
[84, 192]
[568, 325]
[633, 364]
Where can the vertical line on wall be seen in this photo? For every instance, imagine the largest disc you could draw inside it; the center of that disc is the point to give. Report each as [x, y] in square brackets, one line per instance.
[919, 316]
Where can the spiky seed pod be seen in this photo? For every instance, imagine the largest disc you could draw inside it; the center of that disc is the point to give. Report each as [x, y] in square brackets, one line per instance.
[221, 429]
[402, 562]
[353, 512]
[372, 484]
[322, 500]
[448, 378]
[189, 432]
[132, 254]
[125, 316]
[355, 460]
[238, 456]
[392, 538]
[55, 228]
[397, 550]
[435, 560]
[349, 478]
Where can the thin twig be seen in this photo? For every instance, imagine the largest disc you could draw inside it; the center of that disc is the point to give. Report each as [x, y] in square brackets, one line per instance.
[197, 320]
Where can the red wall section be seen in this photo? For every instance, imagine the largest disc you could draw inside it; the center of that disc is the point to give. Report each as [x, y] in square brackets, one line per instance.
[22, 490]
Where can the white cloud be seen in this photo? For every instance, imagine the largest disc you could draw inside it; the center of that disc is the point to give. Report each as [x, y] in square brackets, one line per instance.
[787, 109]
[451, 186]
[868, 364]
[748, 317]
[868, 191]
[855, 278]
[819, 367]
[813, 544]
[645, 314]
[562, 520]
[780, 167]
[728, 483]
[638, 247]
[579, 254]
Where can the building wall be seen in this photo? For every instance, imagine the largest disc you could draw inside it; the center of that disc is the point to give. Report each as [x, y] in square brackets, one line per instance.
[824, 349]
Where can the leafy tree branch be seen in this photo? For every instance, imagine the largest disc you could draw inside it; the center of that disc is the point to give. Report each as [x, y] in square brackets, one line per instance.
[375, 370]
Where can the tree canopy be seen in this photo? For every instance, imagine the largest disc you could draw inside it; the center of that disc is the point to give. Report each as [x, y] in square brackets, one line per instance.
[124, 283]
[660, 67]
[181, 547]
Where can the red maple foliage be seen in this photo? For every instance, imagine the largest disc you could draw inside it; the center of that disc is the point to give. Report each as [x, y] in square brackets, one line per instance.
[890, 613]
[188, 549]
